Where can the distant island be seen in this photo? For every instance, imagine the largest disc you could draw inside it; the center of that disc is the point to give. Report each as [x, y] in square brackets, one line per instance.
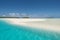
[13, 17]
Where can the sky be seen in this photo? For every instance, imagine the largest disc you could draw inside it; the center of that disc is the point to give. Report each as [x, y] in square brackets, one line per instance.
[33, 8]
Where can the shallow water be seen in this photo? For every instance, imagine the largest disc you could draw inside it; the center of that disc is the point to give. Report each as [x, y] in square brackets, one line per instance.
[15, 32]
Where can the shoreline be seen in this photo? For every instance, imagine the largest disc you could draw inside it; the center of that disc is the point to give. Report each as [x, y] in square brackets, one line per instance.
[46, 24]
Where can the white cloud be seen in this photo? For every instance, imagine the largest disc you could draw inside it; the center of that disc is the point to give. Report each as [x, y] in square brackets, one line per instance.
[14, 14]
[3, 15]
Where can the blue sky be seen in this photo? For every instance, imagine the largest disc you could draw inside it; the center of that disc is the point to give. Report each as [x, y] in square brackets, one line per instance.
[34, 8]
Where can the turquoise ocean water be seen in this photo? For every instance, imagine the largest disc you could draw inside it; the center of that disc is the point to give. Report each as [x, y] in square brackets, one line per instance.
[15, 32]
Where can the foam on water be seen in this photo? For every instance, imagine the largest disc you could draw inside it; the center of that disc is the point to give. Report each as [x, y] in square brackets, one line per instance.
[15, 32]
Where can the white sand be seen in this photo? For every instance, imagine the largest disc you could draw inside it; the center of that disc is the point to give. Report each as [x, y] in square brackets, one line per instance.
[46, 24]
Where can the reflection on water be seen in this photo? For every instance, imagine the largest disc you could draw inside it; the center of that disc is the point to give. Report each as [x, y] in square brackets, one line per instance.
[12, 32]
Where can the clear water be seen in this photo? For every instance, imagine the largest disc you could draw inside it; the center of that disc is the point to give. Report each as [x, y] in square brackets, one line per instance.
[13, 32]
